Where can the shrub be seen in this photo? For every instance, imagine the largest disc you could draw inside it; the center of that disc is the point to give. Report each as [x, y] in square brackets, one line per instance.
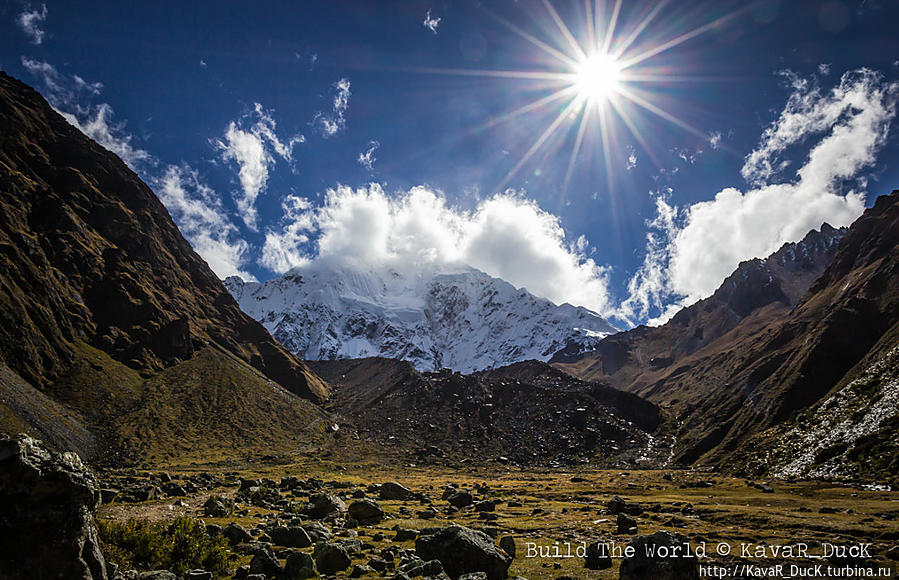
[179, 545]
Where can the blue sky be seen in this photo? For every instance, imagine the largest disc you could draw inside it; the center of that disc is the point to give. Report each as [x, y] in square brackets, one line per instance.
[281, 133]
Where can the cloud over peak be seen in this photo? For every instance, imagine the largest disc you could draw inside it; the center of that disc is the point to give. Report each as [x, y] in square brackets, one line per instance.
[507, 236]
[691, 250]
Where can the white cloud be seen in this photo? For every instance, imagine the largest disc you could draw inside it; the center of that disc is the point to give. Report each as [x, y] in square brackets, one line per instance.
[66, 95]
[329, 124]
[367, 159]
[507, 236]
[715, 139]
[198, 212]
[30, 21]
[254, 150]
[281, 251]
[689, 261]
[431, 23]
[824, 69]
[631, 159]
[98, 125]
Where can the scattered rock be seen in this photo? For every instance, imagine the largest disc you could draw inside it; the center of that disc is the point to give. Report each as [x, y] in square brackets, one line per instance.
[264, 562]
[626, 524]
[394, 491]
[462, 550]
[507, 543]
[218, 507]
[331, 558]
[236, 534]
[324, 506]
[616, 505]
[47, 500]
[198, 575]
[366, 511]
[643, 567]
[460, 499]
[597, 557]
[299, 565]
[405, 535]
[290, 536]
[157, 575]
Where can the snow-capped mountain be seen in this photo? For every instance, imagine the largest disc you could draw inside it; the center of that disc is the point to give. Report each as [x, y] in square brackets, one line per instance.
[460, 318]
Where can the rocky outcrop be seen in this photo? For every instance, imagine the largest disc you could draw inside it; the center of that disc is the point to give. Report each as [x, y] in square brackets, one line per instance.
[462, 550]
[526, 413]
[47, 501]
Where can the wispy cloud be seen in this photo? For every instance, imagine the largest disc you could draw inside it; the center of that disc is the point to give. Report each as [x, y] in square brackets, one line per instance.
[715, 138]
[282, 250]
[431, 23]
[197, 210]
[691, 250]
[68, 95]
[253, 149]
[31, 22]
[331, 122]
[631, 158]
[367, 158]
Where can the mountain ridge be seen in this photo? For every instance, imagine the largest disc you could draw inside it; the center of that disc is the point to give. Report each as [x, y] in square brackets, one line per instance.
[100, 295]
[459, 318]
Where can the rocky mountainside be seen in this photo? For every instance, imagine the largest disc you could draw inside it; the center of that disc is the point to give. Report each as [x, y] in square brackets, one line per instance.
[527, 413]
[779, 358]
[460, 319]
[103, 303]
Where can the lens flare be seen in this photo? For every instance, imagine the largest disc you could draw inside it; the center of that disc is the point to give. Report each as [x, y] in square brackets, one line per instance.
[597, 77]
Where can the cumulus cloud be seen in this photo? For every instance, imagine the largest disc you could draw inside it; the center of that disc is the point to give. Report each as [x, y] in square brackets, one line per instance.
[431, 23]
[253, 149]
[282, 250]
[507, 236]
[31, 22]
[331, 122]
[715, 139]
[367, 158]
[198, 212]
[688, 261]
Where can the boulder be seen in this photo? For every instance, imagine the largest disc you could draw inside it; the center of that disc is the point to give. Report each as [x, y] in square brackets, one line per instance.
[626, 524]
[331, 557]
[507, 543]
[323, 506]
[616, 505]
[265, 562]
[460, 499]
[366, 511]
[462, 550]
[157, 575]
[299, 566]
[47, 501]
[236, 534]
[597, 556]
[318, 532]
[394, 491]
[290, 536]
[661, 566]
[218, 507]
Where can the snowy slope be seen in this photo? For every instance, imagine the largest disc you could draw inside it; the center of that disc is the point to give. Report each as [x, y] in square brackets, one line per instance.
[461, 319]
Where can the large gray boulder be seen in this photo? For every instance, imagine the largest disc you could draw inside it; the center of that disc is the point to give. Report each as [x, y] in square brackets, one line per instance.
[47, 501]
[462, 550]
[324, 506]
[667, 564]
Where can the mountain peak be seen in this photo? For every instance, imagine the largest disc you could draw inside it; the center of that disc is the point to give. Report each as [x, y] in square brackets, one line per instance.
[441, 316]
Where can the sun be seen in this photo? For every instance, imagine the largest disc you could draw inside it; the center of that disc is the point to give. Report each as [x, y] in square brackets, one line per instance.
[597, 77]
